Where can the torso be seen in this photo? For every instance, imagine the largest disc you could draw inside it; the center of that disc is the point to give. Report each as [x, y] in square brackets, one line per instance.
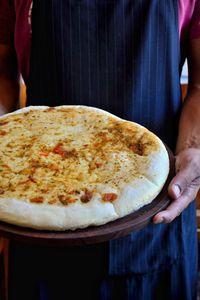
[114, 55]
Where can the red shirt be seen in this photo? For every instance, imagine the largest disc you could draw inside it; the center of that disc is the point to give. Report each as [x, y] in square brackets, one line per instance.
[15, 26]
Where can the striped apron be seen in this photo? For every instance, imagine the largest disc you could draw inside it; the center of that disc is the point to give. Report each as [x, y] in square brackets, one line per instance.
[122, 56]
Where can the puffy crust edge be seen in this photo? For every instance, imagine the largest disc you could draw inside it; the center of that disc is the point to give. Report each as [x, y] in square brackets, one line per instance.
[47, 217]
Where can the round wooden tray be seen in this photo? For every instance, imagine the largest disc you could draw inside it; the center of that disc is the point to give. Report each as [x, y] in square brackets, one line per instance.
[94, 234]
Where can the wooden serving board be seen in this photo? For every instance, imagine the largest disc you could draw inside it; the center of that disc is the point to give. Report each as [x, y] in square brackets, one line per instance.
[94, 234]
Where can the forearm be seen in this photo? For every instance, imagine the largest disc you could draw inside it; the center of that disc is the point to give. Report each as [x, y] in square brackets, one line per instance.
[184, 186]
[9, 94]
[189, 126]
[9, 86]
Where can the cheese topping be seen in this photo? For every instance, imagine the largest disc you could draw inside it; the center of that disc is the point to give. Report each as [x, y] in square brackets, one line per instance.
[64, 155]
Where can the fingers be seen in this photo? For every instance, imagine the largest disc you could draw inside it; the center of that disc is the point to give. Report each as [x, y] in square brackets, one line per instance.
[184, 186]
[176, 207]
[181, 182]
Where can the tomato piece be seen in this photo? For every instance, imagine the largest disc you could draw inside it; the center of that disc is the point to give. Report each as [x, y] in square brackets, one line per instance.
[98, 164]
[66, 199]
[71, 200]
[2, 132]
[58, 149]
[109, 197]
[37, 199]
[86, 197]
[41, 153]
[64, 153]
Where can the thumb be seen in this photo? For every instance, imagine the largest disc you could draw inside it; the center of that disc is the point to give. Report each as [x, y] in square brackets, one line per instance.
[180, 183]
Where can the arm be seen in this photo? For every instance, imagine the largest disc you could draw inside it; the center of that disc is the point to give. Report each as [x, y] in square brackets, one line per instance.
[185, 185]
[189, 128]
[9, 86]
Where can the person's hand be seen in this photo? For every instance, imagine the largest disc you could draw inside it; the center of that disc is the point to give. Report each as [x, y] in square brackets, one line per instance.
[184, 186]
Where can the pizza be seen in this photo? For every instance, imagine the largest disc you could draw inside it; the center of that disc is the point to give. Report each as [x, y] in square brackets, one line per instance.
[70, 167]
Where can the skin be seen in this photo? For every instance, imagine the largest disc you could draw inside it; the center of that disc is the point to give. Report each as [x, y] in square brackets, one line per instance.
[186, 183]
[9, 85]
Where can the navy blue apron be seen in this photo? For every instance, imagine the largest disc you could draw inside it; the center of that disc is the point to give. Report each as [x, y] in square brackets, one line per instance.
[122, 56]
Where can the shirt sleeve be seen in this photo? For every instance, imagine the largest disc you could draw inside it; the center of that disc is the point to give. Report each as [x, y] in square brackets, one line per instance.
[195, 22]
[7, 22]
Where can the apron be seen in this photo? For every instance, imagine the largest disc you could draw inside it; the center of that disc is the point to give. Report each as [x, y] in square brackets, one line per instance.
[122, 56]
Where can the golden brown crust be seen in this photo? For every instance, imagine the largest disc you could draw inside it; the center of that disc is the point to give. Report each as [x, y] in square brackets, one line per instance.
[70, 155]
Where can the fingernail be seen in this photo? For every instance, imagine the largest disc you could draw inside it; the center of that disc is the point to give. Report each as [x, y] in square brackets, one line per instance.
[176, 190]
[159, 220]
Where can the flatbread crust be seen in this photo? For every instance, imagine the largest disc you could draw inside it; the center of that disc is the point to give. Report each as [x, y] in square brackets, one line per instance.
[70, 167]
